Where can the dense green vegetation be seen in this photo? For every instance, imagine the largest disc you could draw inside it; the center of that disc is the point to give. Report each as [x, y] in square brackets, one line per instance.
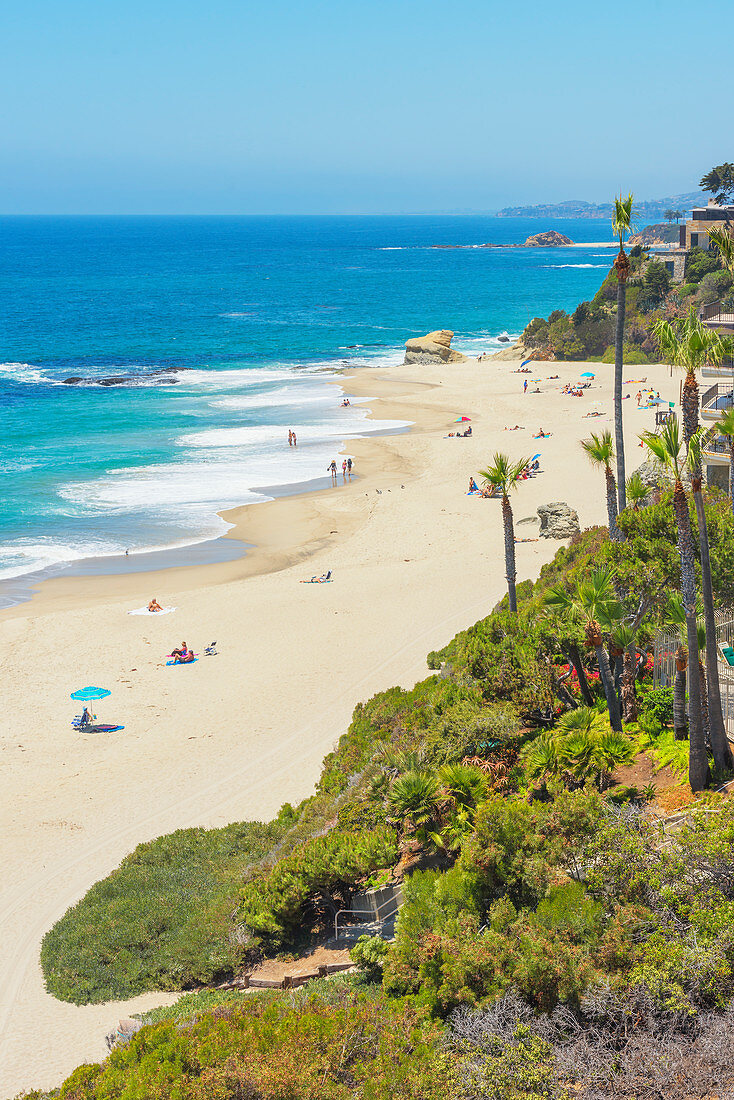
[588, 332]
[559, 937]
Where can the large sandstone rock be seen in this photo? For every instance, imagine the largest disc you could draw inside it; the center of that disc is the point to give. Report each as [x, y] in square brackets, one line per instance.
[550, 239]
[433, 348]
[511, 352]
[557, 521]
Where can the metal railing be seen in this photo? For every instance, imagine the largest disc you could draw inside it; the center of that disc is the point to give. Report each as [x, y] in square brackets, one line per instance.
[663, 669]
[391, 904]
[714, 312]
[718, 398]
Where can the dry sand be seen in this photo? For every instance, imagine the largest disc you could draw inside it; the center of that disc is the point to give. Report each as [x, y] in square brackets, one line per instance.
[233, 736]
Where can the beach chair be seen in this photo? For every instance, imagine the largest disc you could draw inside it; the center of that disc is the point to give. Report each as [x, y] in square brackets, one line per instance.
[727, 652]
[211, 650]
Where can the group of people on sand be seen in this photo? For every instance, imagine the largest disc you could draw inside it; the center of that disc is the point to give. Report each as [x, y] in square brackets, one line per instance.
[530, 470]
[183, 655]
[575, 390]
[346, 470]
[650, 397]
[292, 441]
[459, 435]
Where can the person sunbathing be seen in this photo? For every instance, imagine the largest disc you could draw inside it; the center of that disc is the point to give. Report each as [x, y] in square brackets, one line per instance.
[154, 605]
[541, 434]
[473, 487]
[182, 656]
[592, 414]
[517, 428]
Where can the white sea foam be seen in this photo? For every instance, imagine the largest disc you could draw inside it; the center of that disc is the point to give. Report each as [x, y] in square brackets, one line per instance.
[25, 372]
[574, 265]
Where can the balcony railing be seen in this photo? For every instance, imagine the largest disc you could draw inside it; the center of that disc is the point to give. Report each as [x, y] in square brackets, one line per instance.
[715, 314]
[718, 398]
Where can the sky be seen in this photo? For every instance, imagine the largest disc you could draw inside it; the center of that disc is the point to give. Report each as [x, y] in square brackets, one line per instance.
[356, 106]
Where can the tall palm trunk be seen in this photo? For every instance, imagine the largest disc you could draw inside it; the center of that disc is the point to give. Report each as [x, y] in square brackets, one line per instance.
[680, 725]
[629, 699]
[698, 768]
[509, 551]
[689, 406]
[614, 531]
[605, 673]
[719, 742]
[618, 369]
[704, 703]
[574, 659]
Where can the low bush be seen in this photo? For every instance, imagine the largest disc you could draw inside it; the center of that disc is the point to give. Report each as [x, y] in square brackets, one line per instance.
[658, 703]
[161, 920]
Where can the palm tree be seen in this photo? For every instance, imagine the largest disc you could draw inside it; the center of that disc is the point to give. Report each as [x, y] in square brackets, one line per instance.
[503, 475]
[414, 797]
[593, 599]
[666, 448]
[724, 244]
[725, 427]
[637, 491]
[622, 225]
[676, 617]
[677, 214]
[623, 636]
[686, 342]
[719, 741]
[600, 450]
[669, 215]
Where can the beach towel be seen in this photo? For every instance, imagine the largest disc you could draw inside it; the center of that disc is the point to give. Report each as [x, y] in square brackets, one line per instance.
[182, 663]
[102, 729]
[316, 580]
[144, 611]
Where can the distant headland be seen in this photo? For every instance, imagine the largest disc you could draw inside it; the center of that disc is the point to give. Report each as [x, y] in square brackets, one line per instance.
[578, 208]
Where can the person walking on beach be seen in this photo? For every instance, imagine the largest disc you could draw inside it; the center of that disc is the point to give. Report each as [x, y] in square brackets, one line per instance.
[344, 470]
[349, 468]
[525, 386]
[332, 469]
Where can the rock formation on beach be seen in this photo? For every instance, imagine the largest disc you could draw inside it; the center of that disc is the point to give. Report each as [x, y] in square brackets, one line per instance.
[558, 521]
[511, 352]
[435, 347]
[549, 239]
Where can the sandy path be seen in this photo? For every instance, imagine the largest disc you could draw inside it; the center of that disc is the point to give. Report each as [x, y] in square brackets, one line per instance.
[234, 736]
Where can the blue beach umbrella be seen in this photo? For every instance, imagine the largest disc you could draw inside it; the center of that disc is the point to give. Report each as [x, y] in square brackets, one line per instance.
[86, 694]
[588, 374]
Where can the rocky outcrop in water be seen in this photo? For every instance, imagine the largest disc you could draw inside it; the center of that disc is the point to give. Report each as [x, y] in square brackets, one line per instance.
[161, 376]
[435, 347]
[558, 521]
[549, 239]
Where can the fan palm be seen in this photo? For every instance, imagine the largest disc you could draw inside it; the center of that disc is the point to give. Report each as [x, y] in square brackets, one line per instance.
[414, 797]
[465, 786]
[726, 428]
[666, 448]
[591, 600]
[622, 226]
[502, 474]
[685, 342]
[676, 617]
[724, 244]
[623, 636]
[637, 491]
[600, 451]
[719, 740]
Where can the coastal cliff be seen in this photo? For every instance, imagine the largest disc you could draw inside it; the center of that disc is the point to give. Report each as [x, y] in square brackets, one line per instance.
[549, 239]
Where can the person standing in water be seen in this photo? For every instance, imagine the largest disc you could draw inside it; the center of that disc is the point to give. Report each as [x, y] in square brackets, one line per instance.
[344, 470]
[332, 469]
[349, 468]
[290, 438]
[293, 437]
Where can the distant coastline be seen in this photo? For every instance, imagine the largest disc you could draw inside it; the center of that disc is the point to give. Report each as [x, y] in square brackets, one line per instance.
[650, 210]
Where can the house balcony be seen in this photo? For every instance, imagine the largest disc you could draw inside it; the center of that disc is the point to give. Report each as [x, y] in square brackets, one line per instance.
[716, 317]
[716, 400]
[715, 449]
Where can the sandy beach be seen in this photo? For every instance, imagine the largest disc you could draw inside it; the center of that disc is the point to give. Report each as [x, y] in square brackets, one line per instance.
[232, 737]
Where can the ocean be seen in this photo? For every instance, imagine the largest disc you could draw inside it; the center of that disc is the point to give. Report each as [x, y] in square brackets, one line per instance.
[257, 310]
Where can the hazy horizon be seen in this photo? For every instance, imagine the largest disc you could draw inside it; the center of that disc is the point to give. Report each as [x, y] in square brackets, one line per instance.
[397, 108]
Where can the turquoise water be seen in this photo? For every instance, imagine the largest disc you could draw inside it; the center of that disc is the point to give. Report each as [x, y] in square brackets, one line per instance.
[255, 309]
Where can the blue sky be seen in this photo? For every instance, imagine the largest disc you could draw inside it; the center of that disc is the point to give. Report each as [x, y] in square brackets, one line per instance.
[357, 106]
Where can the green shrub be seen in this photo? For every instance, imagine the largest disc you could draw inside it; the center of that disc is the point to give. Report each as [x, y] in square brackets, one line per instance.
[633, 355]
[658, 702]
[160, 921]
[370, 953]
[283, 905]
